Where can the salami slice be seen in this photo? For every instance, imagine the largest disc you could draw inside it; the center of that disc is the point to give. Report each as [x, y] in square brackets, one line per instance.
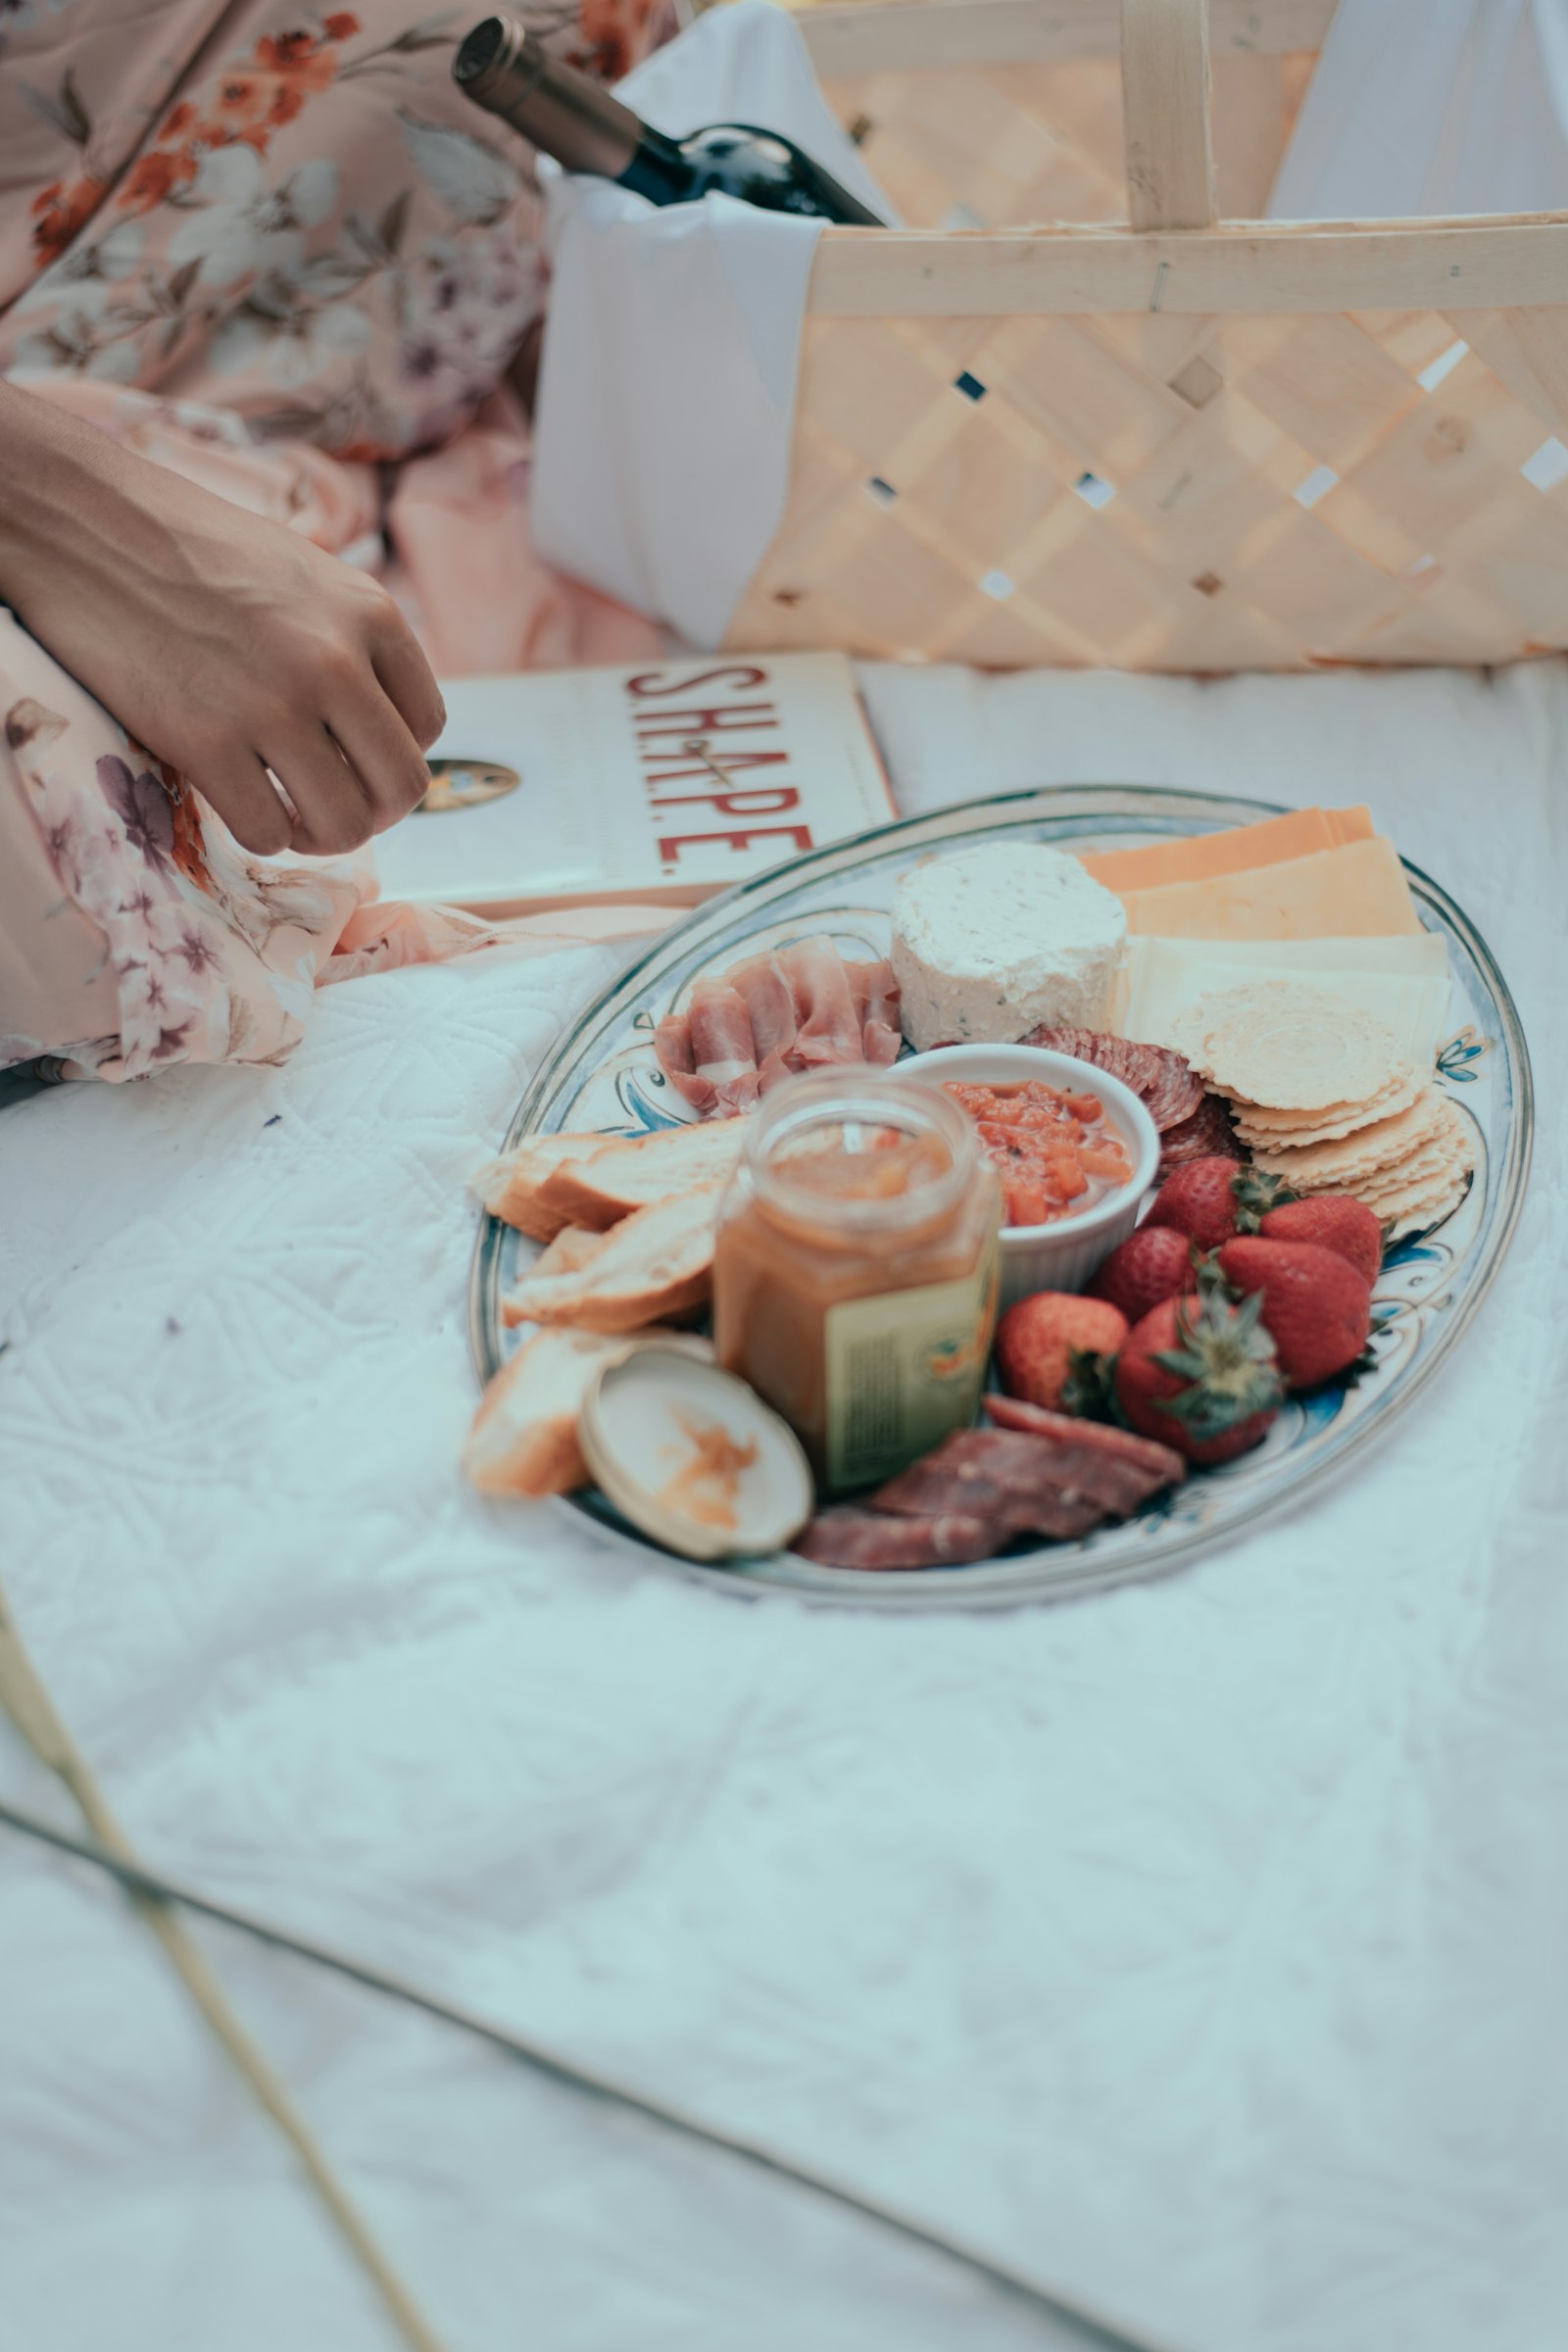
[1167, 1085]
[1207, 1135]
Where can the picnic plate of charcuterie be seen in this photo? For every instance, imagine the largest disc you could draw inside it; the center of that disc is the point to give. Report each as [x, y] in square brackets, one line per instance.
[1007, 1202]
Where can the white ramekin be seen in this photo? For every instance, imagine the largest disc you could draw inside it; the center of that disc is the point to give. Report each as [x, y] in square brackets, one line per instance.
[1064, 1256]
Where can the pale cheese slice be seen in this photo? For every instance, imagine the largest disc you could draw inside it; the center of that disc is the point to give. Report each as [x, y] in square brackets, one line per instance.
[1200, 856]
[1168, 976]
[1417, 955]
[1357, 891]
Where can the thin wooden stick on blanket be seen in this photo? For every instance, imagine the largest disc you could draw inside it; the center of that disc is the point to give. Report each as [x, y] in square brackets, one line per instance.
[28, 1705]
[1071, 2323]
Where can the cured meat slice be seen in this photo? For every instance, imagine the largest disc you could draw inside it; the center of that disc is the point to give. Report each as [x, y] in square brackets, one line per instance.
[770, 1002]
[1151, 1464]
[722, 1049]
[1034, 1473]
[673, 1043]
[848, 1537]
[1167, 1085]
[876, 1005]
[1079, 1043]
[1207, 1135]
[830, 1030]
[1012, 1481]
[707, 1052]
[1173, 1090]
[803, 1008]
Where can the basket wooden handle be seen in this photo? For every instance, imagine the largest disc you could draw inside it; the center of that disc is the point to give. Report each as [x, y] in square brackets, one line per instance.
[1164, 87]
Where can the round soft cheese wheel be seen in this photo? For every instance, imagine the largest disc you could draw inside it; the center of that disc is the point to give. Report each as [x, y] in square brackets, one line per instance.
[994, 942]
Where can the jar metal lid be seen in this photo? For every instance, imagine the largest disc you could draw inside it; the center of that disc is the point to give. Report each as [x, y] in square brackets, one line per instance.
[855, 1102]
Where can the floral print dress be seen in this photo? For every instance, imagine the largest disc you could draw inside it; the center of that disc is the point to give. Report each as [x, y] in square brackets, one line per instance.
[274, 248]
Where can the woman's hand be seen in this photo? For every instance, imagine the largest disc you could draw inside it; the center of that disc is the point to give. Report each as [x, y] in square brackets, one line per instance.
[226, 644]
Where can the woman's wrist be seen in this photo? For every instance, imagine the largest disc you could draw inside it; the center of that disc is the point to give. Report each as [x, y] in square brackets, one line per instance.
[73, 501]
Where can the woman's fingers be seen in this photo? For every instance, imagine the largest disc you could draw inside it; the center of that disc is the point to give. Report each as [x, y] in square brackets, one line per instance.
[335, 814]
[384, 756]
[408, 678]
[256, 651]
[364, 768]
[355, 773]
[247, 800]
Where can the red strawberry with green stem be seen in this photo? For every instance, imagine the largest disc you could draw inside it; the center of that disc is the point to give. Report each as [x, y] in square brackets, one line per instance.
[1201, 1374]
[1209, 1200]
[1331, 1221]
[1053, 1345]
[1315, 1303]
[1150, 1264]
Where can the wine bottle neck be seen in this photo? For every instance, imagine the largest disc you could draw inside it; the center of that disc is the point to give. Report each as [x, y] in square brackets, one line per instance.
[503, 67]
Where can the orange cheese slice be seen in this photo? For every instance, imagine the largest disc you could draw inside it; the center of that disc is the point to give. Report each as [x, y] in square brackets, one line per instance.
[1356, 891]
[1202, 856]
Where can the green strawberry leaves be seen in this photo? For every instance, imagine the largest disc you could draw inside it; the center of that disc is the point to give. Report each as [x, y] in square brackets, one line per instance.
[1088, 1390]
[1225, 1356]
[1256, 1192]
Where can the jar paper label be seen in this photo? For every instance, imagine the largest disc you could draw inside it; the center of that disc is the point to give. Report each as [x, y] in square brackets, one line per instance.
[904, 1369]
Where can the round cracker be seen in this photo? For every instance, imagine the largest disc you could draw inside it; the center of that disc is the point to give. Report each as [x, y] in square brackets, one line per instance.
[1422, 1220]
[1442, 1161]
[1339, 1163]
[1420, 1200]
[1404, 1078]
[1402, 1075]
[1288, 1047]
[1273, 1130]
[1389, 1195]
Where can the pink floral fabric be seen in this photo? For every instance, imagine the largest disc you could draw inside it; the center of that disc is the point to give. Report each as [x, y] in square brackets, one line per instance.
[273, 247]
[304, 219]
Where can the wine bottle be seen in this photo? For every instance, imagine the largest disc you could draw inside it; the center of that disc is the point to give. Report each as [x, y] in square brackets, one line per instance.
[503, 67]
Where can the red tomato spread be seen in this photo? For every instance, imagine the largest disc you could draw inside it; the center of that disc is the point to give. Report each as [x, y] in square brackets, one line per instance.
[1056, 1153]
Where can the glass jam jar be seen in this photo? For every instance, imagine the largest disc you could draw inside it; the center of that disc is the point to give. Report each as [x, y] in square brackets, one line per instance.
[856, 1279]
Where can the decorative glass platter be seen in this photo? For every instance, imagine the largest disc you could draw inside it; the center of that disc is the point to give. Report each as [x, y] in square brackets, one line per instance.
[604, 1076]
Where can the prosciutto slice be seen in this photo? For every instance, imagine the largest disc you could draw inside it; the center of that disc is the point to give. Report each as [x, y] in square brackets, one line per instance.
[877, 1001]
[708, 1053]
[803, 1008]
[830, 1030]
[771, 1001]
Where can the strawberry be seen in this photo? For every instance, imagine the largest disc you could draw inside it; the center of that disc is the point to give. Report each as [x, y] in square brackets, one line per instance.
[1150, 1264]
[1040, 1341]
[1315, 1304]
[1331, 1221]
[1209, 1200]
[1200, 1373]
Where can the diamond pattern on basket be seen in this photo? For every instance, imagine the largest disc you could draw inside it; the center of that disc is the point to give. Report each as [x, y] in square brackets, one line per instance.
[1349, 513]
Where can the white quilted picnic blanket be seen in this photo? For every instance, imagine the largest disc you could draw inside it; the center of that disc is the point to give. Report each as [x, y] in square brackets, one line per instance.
[1198, 1948]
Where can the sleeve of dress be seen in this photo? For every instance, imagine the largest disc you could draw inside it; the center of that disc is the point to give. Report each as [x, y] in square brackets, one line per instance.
[135, 932]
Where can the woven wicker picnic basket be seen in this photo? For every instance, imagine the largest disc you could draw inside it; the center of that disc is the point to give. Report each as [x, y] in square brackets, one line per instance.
[1147, 436]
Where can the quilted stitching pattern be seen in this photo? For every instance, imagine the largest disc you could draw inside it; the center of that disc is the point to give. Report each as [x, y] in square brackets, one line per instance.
[1198, 1948]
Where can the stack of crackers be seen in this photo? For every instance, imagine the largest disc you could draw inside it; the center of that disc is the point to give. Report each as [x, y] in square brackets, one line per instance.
[1324, 1099]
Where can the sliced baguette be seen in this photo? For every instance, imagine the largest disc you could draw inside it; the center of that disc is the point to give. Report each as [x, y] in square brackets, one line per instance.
[524, 1435]
[570, 1251]
[509, 1187]
[654, 1265]
[630, 1172]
